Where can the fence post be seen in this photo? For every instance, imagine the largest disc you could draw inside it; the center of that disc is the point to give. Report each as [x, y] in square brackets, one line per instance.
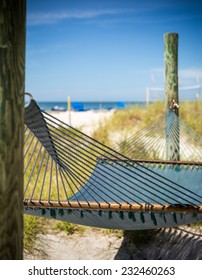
[171, 95]
[12, 68]
[147, 97]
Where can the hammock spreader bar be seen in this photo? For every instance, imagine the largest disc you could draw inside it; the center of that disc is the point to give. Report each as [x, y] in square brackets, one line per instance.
[114, 206]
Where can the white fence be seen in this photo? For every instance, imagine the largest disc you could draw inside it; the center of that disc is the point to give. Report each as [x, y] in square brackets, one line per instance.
[189, 93]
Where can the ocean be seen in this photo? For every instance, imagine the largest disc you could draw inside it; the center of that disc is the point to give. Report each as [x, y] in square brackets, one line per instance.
[85, 106]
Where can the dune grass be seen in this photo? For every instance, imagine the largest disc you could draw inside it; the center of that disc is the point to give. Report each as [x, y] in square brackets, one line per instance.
[126, 122]
[32, 227]
[191, 114]
[68, 228]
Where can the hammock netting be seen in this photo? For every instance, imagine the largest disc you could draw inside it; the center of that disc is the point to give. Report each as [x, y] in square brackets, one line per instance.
[72, 177]
[167, 138]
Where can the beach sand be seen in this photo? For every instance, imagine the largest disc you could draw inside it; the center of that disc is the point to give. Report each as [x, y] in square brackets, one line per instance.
[182, 243]
[87, 121]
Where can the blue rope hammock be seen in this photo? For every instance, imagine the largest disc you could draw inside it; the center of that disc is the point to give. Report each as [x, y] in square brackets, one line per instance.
[72, 177]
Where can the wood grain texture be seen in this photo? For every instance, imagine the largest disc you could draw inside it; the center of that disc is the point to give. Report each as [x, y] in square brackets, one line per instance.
[122, 206]
[171, 68]
[171, 94]
[12, 69]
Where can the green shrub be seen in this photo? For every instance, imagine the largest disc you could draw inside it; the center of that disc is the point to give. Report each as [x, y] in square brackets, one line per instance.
[68, 228]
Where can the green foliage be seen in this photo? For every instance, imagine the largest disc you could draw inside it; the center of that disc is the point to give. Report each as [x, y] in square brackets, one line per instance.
[191, 114]
[69, 228]
[118, 233]
[36, 160]
[197, 225]
[32, 227]
[125, 121]
[129, 121]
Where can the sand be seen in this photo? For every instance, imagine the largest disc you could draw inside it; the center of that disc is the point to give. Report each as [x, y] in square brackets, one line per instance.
[87, 121]
[183, 243]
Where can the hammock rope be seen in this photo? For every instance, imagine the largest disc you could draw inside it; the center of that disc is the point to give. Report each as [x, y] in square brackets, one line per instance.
[92, 148]
[67, 169]
[150, 142]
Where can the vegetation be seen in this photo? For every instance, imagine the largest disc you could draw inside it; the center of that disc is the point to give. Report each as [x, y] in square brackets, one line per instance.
[118, 233]
[125, 122]
[68, 228]
[191, 114]
[32, 227]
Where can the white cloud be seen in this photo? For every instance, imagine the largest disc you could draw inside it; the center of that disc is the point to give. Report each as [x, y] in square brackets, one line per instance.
[143, 15]
[53, 17]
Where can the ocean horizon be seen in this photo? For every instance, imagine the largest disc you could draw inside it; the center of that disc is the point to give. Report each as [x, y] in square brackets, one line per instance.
[85, 106]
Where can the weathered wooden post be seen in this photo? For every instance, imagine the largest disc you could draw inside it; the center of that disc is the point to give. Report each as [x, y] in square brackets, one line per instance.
[12, 69]
[171, 95]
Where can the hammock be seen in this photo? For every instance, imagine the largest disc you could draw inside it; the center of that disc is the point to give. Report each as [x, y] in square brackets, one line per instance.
[166, 138]
[72, 177]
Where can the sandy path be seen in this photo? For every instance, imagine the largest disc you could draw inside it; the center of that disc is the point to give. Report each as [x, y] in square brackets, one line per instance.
[184, 243]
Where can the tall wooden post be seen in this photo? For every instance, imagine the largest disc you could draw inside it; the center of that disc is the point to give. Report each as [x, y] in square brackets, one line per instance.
[171, 95]
[12, 69]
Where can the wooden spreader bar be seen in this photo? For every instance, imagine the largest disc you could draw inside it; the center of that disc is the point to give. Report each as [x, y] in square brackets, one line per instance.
[123, 206]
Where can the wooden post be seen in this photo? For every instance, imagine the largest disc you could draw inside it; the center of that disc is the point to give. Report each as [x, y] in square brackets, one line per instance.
[171, 69]
[69, 108]
[12, 69]
[171, 95]
[147, 96]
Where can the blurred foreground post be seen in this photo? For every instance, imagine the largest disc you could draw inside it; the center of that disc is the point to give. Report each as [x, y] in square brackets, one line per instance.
[12, 76]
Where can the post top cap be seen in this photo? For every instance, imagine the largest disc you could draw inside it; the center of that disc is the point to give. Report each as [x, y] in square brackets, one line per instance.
[171, 33]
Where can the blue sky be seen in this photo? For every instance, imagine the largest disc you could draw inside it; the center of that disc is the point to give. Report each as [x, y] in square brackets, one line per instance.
[108, 50]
